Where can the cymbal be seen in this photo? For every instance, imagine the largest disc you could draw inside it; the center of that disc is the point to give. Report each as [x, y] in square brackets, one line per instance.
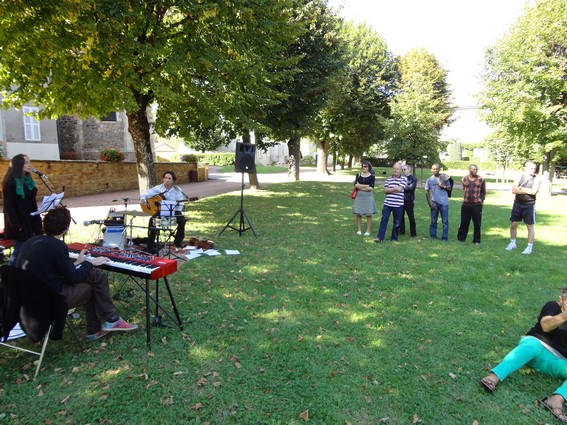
[134, 213]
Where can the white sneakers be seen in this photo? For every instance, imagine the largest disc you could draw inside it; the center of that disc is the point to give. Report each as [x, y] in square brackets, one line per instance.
[366, 234]
[359, 233]
[512, 245]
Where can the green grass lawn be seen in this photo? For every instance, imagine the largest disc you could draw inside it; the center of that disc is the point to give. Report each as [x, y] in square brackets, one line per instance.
[312, 321]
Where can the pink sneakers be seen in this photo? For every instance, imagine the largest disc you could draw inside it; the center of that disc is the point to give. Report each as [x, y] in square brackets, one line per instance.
[118, 326]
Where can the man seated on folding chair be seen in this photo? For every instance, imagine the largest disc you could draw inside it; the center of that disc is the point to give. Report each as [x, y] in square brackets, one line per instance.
[47, 257]
[151, 203]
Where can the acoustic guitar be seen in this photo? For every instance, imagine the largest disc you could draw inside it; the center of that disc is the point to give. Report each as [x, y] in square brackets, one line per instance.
[153, 205]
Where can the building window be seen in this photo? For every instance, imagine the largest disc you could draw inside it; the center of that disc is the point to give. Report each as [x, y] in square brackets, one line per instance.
[32, 131]
[109, 117]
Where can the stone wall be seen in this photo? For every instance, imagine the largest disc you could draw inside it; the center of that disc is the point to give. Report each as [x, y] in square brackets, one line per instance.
[84, 139]
[78, 178]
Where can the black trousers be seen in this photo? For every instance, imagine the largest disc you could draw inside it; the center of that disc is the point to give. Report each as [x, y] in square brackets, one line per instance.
[470, 212]
[408, 209]
[179, 232]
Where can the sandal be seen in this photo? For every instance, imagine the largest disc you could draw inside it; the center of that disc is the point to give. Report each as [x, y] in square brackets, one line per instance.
[488, 384]
[557, 411]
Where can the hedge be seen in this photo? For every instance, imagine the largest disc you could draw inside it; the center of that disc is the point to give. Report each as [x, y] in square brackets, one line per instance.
[221, 159]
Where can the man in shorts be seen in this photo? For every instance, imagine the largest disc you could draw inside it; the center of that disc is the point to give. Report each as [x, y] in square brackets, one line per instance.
[525, 188]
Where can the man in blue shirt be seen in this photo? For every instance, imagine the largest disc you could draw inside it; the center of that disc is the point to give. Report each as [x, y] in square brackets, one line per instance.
[437, 189]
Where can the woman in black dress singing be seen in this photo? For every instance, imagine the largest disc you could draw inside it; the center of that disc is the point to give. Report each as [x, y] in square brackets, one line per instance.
[19, 192]
[364, 203]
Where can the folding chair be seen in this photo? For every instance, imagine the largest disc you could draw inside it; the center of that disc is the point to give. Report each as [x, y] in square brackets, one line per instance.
[40, 310]
[6, 245]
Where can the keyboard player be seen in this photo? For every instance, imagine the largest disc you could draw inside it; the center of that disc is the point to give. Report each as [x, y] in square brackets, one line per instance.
[47, 257]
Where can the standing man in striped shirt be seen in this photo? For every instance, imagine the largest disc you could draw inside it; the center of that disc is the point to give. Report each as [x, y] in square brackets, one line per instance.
[393, 203]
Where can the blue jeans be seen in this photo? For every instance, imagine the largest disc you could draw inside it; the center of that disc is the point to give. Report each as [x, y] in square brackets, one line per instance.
[444, 209]
[530, 351]
[398, 213]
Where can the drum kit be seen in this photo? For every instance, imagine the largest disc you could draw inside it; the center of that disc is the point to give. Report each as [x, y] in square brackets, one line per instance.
[117, 228]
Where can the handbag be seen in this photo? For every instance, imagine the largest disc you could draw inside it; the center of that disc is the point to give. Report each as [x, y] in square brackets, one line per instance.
[353, 193]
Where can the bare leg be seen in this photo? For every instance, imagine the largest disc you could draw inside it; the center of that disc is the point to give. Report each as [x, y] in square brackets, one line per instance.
[513, 230]
[531, 233]
[359, 223]
[369, 224]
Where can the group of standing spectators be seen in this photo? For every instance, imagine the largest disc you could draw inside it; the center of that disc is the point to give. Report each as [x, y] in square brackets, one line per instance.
[399, 190]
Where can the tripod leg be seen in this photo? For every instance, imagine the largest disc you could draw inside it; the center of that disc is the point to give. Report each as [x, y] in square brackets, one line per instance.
[249, 224]
[229, 222]
[242, 225]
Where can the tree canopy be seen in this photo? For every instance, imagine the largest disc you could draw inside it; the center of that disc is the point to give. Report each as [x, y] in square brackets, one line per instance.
[525, 84]
[359, 106]
[420, 109]
[196, 60]
[306, 88]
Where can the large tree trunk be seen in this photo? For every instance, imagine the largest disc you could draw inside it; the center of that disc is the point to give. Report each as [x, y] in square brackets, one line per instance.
[252, 177]
[293, 147]
[323, 157]
[334, 161]
[139, 129]
[547, 172]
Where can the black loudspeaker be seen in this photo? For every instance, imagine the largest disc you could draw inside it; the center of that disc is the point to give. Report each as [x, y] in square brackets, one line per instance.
[245, 161]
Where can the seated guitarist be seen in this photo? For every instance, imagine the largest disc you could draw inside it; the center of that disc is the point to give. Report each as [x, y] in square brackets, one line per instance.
[150, 201]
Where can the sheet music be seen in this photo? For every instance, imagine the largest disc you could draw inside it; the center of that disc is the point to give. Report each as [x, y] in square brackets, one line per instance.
[49, 202]
[16, 332]
[167, 208]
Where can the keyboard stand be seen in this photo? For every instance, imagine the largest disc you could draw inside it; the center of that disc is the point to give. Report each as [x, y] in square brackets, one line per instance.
[157, 321]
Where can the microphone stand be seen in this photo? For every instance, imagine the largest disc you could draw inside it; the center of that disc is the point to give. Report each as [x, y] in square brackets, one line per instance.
[42, 177]
[45, 184]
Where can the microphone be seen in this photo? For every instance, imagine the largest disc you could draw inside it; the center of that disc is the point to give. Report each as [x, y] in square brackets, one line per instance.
[39, 173]
[89, 222]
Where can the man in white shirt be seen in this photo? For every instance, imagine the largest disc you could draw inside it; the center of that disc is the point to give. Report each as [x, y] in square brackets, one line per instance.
[152, 199]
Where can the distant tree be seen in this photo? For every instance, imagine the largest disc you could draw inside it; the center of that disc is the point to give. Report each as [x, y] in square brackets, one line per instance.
[419, 110]
[306, 88]
[195, 60]
[354, 116]
[525, 84]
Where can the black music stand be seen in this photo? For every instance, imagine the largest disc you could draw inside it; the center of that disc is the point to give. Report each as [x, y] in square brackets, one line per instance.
[242, 227]
[167, 216]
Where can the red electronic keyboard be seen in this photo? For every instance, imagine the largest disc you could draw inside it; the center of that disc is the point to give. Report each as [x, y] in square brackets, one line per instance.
[131, 263]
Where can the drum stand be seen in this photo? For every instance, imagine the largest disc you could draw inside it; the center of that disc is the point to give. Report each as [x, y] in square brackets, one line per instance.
[242, 228]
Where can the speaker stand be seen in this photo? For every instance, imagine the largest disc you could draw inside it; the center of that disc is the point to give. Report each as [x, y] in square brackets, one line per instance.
[243, 216]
